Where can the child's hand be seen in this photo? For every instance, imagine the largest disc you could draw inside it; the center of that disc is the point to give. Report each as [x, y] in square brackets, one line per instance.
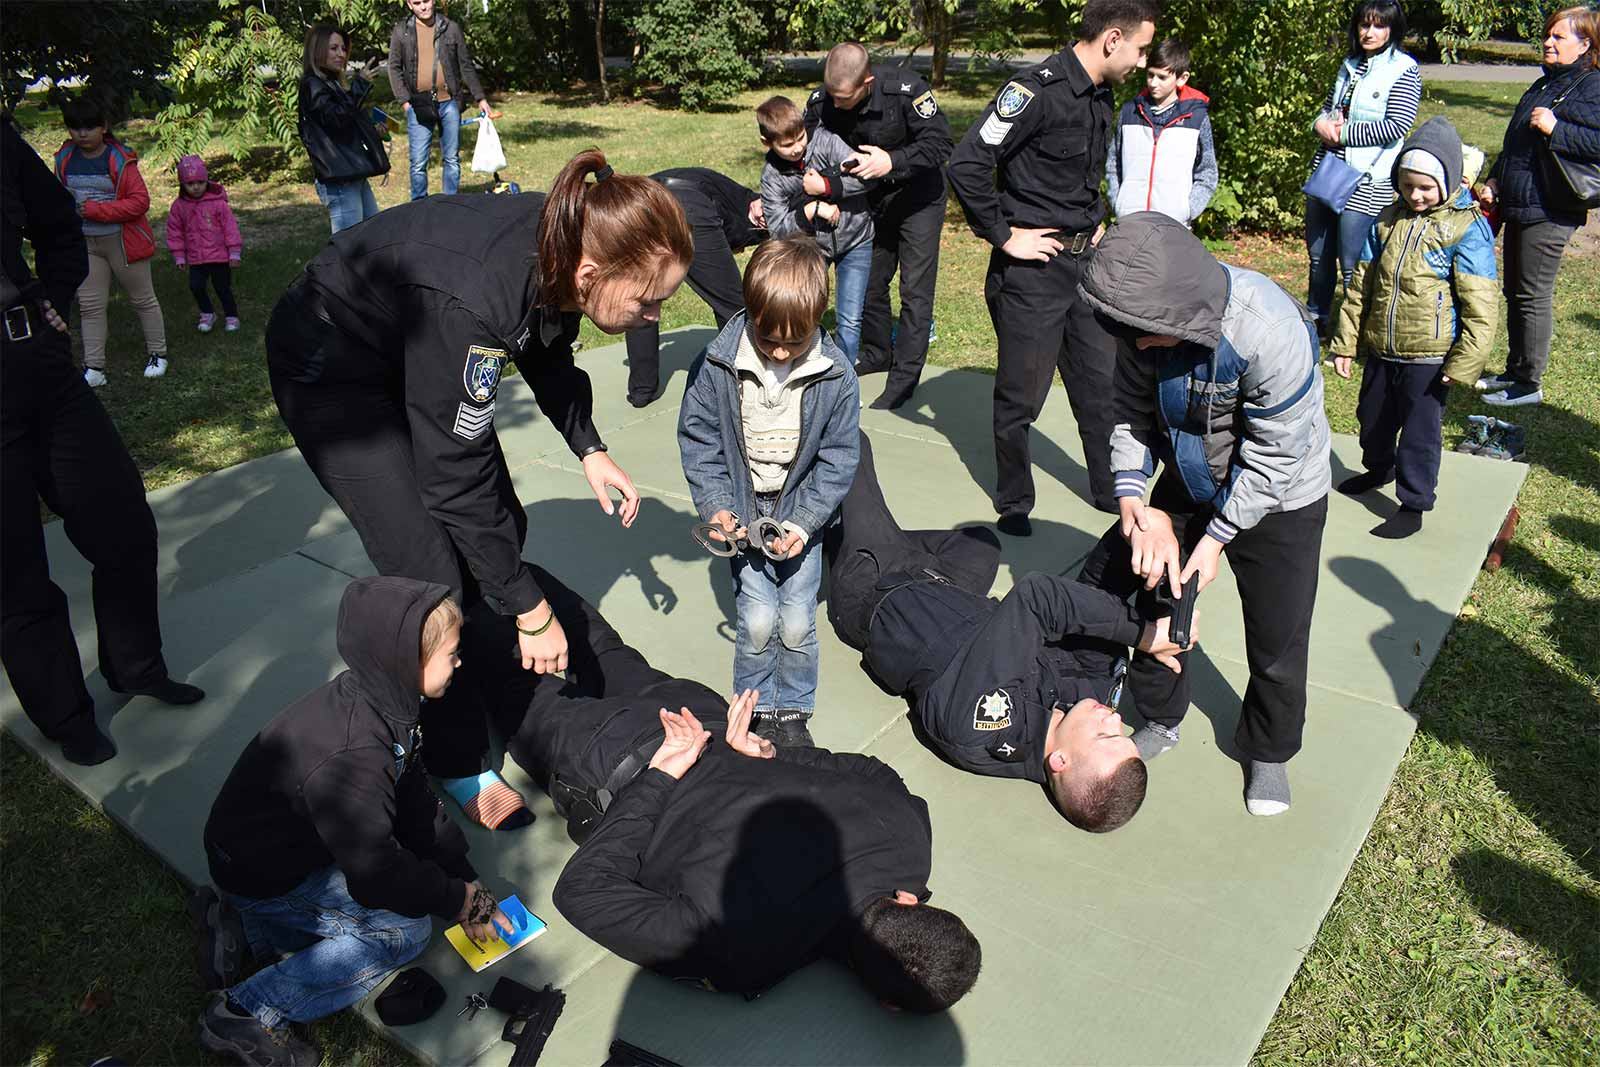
[828, 212]
[811, 210]
[1341, 364]
[730, 526]
[815, 184]
[789, 545]
[233, 261]
[182, 265]
[1446, 379]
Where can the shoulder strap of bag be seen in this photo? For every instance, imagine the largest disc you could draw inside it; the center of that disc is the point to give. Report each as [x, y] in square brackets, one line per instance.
[1570, 89]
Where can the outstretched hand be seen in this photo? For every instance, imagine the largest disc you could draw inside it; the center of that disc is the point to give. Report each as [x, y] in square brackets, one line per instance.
[603, 473]
[685, 740]
[741, 709]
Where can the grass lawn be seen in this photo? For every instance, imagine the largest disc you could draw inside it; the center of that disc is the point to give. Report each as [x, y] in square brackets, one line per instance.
[1468, 930]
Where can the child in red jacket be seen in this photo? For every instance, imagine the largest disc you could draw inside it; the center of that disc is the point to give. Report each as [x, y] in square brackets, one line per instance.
[203, 236]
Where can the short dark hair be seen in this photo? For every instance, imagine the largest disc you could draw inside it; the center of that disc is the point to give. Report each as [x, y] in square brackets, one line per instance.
[1104, 804]
[83, 113]
[846, 67]
[1171, 54]
[918, 958]
[1126, 15]
[317, 38]
[1385, 13]
[779, 119]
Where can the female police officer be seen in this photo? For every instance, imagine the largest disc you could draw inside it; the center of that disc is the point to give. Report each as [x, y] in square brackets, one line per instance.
[385, 357]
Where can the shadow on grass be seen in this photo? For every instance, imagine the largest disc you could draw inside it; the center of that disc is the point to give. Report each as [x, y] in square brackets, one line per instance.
[1470, 100]
[1533, 905]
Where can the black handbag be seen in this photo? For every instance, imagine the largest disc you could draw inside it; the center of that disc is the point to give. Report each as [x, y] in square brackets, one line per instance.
[1572, 183]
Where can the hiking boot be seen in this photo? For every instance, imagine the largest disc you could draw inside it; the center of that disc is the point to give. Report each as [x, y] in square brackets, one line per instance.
[220, 943]
[765, 727]
[228, 1031]
[1506, 441]
[793, 730]
[1515, 396]
[1478, 427]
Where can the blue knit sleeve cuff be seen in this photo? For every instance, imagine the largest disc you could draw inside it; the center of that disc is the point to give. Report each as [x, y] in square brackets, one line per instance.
[1129, 483]
[1221, 529]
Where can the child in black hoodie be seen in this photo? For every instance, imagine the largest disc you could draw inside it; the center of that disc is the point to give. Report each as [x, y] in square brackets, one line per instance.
[326, 840]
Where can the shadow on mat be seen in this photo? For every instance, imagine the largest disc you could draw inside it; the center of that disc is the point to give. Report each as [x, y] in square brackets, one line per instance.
[1531, 904]
[677, 350]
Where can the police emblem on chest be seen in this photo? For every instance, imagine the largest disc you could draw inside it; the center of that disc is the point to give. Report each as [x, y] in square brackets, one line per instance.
[1012, 99]
[481, 375]
[992, 712]
[925, 105]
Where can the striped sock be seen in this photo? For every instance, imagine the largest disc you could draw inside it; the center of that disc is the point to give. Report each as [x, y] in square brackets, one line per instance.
[489, 801]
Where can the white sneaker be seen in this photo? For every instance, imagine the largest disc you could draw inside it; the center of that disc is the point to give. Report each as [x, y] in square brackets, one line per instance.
[94, 378]
[156, 367]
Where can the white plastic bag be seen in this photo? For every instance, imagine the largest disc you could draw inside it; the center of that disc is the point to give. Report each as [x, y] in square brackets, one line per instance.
[487, 156]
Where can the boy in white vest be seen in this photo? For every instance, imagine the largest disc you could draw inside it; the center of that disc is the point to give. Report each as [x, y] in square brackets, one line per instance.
[1161, 155]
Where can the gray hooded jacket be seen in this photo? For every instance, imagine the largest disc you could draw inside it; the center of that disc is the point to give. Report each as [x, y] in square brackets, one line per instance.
[1235, 410]
[783, 197]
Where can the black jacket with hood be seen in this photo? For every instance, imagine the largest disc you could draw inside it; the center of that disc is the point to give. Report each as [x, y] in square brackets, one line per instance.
[336, 778]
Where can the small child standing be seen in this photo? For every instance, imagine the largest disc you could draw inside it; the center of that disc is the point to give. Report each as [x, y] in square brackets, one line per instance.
[203, 236]
[1421, 309]
[769, 428]
[1162, 158]
[805, 189]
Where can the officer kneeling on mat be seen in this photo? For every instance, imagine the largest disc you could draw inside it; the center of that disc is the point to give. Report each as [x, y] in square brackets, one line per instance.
[726, 862]
[1017, 688]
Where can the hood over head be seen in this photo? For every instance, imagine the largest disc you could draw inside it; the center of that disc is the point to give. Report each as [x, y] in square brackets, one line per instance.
[1152, 274]
[380, 638]
[1436, 138]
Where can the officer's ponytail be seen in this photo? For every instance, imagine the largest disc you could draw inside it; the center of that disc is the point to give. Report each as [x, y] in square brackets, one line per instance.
[631, 226]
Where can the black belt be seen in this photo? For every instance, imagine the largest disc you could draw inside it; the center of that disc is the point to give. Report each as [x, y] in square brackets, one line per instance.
[18, 323]
[1074, 244]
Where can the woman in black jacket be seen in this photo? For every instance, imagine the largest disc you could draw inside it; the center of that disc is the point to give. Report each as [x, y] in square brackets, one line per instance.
[1559, 113]
[345, 148]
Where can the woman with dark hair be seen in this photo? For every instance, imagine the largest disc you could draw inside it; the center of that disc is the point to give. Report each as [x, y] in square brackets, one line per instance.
[385, 357]
[1559, 113]
[345, 148]
[1368, 113]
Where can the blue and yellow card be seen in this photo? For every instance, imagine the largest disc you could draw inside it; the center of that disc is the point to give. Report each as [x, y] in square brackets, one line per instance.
[525, 926]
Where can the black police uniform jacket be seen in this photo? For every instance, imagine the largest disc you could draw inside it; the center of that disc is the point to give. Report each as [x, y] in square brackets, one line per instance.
[336, 778]
[900, 116]
[1046, 133]
[985, 675]
[36, 208]
[714, 200]
[431, 300]
[746, 869]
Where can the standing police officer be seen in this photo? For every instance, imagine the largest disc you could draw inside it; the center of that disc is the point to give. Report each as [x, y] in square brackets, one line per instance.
[888, 114]
[60, 446]
[1046, 132]
[725, 217]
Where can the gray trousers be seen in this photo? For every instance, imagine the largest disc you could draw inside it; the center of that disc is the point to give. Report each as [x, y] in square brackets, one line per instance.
[1533, 255]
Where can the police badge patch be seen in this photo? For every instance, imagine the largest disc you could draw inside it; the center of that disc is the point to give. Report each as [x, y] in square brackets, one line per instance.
[481, 375]
[1012, 99]
[925, 105]
[993, 712]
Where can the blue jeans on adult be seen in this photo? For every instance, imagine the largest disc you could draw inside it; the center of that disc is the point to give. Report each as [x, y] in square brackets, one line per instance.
[1332, 240]
[775, 649]
[420, 141]
[851, 272]
[341, 950]
[347, 202]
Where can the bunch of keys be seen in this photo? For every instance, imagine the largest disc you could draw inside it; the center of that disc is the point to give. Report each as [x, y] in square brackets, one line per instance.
[475, 1003]
[766, 529]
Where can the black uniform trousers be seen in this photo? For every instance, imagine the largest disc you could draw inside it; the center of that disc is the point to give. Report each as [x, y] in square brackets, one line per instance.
[1275, 564]
[906, 227]
[1405, 401]
[714, 276]
[1042, 326]
[61, 447]
[866, 546]
[356, 439]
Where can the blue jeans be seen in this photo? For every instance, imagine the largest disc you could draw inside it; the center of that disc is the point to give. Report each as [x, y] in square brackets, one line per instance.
[341, 950]
[852, 271]
[775, 650]
[420, 141]
[347, 202]
[1330, 239]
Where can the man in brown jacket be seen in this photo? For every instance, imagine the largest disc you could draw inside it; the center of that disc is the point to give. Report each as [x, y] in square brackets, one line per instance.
[428, 62]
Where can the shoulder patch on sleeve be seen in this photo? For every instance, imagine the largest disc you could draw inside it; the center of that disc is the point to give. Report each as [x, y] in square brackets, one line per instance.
[481, 374]
[816, 96]
[1012, 100]
[993, 131]
[925, 105]
[473, 422]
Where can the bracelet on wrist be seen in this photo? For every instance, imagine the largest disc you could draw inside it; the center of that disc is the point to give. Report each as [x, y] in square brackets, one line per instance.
[540, 629]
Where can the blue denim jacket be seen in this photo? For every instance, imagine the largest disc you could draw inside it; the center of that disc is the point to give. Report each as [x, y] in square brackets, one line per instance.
[711, 438]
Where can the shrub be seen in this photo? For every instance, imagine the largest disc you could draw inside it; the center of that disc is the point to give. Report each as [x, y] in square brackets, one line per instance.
[698, 53]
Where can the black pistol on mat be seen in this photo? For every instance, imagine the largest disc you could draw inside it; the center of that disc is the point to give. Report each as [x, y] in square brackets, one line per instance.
[626, 1055]
[532, 1014]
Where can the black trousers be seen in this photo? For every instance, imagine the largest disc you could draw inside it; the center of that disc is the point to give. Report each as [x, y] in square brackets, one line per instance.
[905, 238]
[356, 439]
[60, 446]
[714, 276]
[867, 544]
[1042, 327]
[1276, 566]
[1404, 401]
[220, 276]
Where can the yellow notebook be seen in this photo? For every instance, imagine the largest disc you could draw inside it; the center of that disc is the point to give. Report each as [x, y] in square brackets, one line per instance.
[525, 926]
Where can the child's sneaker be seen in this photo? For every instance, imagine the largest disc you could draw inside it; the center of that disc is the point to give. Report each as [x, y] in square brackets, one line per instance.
[207, 320]
[1507, 441]
[229, 1032]
[94, 378]
[231, 324]
[156, 366]
[1478, 427]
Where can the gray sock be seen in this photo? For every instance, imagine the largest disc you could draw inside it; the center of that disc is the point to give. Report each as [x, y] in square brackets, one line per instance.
[1267, 792]
[1152, 739]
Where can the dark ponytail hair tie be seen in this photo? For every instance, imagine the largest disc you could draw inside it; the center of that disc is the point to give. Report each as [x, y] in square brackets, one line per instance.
[603, 173]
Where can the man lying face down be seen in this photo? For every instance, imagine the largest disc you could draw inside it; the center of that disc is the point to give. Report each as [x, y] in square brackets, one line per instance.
[1015, 688]
[707, 855]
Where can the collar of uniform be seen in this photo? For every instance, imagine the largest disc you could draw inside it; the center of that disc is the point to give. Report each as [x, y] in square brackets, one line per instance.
[1067, 63]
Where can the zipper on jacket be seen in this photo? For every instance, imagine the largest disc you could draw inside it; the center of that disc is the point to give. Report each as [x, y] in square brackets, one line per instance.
[1438, 310]
[1394, 289]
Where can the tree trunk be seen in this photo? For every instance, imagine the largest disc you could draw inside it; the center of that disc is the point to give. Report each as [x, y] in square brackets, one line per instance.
[600, 48]
[580, 37]
[940, 27]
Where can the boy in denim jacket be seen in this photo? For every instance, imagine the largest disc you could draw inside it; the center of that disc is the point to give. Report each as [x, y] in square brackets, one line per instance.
[769, 429]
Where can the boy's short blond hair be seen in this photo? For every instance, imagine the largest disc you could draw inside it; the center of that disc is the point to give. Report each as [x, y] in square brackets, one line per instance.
[445, 617]
[786, 288]
[779, 119]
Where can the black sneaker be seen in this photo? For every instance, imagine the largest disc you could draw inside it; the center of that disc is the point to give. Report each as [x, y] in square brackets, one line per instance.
[219, 938]
[793, 731]
[765, 727]
[227, 1031]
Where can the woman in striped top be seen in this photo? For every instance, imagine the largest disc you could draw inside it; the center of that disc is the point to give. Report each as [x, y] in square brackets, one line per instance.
[1368, 113]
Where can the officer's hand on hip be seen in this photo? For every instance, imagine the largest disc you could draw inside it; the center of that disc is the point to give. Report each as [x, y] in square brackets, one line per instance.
[871, 162]
[684, 741]
[52, 316]
[1032, 245]
[603, 473]
[546, 651]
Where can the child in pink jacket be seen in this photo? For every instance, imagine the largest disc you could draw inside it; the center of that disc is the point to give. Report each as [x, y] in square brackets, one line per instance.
[204, 237]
